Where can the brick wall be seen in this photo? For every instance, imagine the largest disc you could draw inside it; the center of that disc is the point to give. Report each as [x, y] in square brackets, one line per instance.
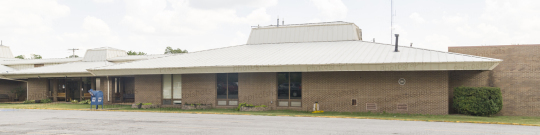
[199, 89]
[107, 92]
[129, 85]
[257, 88]
[518, 76]
[7, 85]
[424, 92]
[37, 88]
[148, 89]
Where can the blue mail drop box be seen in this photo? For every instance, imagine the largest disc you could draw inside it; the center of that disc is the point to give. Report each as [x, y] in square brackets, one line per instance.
[97, 98]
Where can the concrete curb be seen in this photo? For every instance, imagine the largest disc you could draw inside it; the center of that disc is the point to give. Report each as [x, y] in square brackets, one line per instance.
[477, 122]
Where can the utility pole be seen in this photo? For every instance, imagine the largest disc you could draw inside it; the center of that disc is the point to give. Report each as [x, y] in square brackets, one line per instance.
[73, 52]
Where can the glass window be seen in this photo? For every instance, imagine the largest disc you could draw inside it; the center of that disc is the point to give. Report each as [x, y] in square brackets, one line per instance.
[289, 89]
[233, 86]
[296, 86]
[177, 87]
[172, 89]
[227, 89]
[221, 86]
[283, 85]
[166, 86]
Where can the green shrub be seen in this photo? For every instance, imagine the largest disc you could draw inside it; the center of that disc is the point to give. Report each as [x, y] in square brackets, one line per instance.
[261, 106]
[479, 101]
[243, 105]
[46, 100]
[85, 102]
[29, 101]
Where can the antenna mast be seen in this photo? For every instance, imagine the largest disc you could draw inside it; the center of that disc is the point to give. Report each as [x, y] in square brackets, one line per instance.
[73, 56]
[391, 20]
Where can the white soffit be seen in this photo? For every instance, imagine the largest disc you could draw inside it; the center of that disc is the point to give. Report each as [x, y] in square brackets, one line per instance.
[304, 57]
[295, 33]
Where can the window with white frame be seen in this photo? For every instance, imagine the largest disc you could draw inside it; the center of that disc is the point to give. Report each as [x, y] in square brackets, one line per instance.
[172, 89]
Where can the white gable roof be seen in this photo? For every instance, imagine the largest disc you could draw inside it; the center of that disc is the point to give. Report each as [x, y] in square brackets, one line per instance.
[304, 57]
[313, 32]
[75, 69]
[137, 57]
[38, 61]
[5, 69]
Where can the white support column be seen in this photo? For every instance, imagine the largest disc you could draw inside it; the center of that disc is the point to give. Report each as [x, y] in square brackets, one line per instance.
[108, 89]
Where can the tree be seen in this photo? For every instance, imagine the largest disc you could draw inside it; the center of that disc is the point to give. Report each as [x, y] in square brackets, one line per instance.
[170, 50]
[20, 57]
[135, 53]
[73, 56]
[35, 56]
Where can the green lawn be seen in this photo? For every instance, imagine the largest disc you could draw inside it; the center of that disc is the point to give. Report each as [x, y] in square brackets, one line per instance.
[518, 120]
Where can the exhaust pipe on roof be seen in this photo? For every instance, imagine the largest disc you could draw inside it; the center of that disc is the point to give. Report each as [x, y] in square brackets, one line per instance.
[397, 36]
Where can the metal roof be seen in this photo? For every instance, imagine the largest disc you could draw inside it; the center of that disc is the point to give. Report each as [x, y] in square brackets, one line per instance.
[312, 32]
[75, 69]
[137, 57]
[304, 57]
[5, 69]
[39, 61]
[5, 52]
[103, 53]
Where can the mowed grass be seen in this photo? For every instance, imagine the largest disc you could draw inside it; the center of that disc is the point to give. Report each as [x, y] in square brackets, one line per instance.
[516, 120]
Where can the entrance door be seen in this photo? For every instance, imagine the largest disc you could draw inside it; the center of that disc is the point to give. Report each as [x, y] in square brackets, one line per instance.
[72, 90]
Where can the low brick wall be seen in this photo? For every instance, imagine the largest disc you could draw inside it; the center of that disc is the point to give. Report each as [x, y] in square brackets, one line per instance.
[144, 106]
[194, 106]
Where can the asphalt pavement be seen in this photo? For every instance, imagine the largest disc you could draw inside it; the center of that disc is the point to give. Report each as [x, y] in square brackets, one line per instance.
[22, 121]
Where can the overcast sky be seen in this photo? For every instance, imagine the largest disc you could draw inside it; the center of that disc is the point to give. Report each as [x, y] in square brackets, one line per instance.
[50, 27]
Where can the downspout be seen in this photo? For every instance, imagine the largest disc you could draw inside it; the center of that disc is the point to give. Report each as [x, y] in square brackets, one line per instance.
[108, 87]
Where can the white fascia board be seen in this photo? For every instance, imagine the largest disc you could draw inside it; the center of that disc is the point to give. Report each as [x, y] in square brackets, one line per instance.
[26, 76]
[305, 68]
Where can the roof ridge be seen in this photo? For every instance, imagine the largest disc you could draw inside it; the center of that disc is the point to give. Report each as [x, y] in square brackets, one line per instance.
[436, 51]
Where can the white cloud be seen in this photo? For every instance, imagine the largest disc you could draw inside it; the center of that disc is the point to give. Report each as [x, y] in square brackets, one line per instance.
[331, 10]
[458, 19]
[436, 42]
[96, 33]
[152, 17]
[240, 38]
[416, 17]
[502, 22]
[19, 17]
[30, 23]
[103, 1]
[228, 4]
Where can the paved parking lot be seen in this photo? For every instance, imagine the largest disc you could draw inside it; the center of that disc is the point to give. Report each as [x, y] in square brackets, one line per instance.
[101, 122]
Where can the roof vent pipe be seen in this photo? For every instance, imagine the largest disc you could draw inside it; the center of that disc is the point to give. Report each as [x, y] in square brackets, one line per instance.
[397, 36]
